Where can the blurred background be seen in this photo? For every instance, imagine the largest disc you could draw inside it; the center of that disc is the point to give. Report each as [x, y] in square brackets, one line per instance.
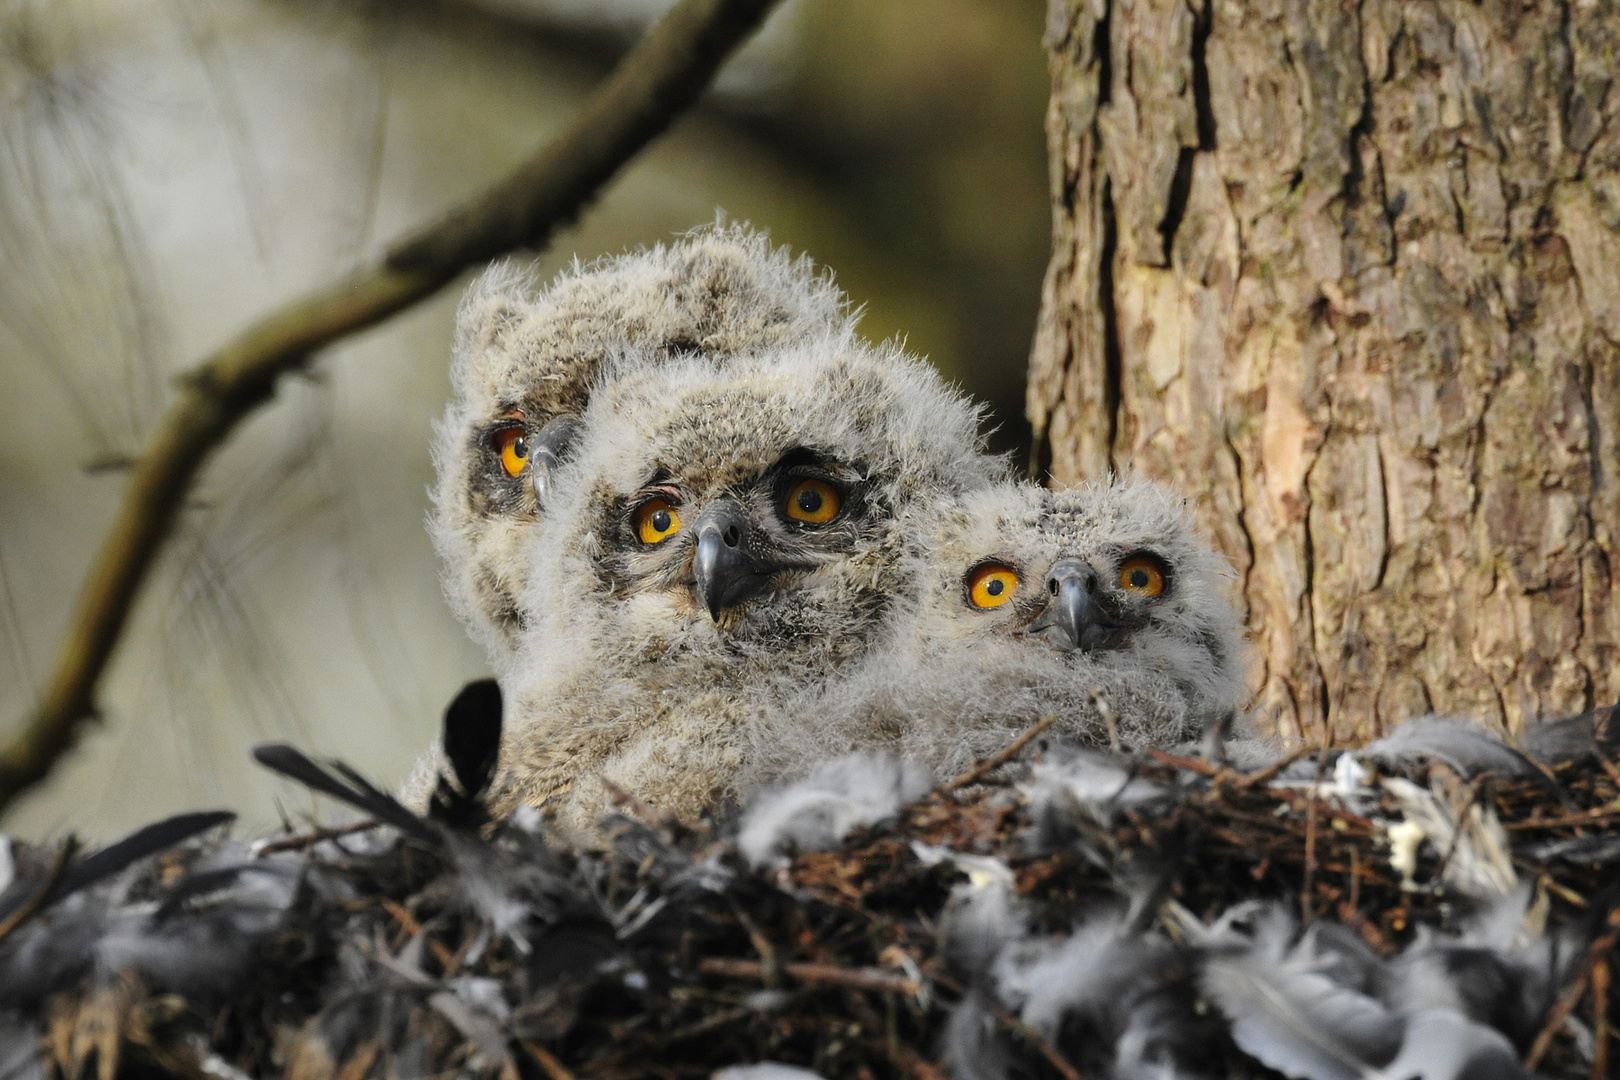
[172, 169]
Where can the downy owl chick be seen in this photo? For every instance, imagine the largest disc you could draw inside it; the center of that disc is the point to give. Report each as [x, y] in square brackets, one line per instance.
[725, 535]
[1026, 603]
[525, 363]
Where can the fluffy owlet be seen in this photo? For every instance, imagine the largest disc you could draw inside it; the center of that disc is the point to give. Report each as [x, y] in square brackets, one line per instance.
[725, 535]
[1026, 603]
[525, 363]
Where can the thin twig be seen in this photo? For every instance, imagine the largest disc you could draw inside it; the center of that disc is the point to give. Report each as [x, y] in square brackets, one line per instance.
[1588, 817]
[309, 839]
[1308, 909]
[663, 824]
[905, 1059]
[827, 974]
[1272, 771]
[995, 761]
[770, 965]
[1197, 765]
[1051, 1053]
[659, 79]
[547, 1061]
[58, 866]
[1575, 990]
[1600, 1020]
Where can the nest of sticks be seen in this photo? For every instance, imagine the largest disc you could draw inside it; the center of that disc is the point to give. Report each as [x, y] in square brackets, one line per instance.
[393, 949]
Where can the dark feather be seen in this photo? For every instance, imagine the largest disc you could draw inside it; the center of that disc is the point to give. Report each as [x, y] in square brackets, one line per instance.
[472, 742]
[293, 764]
[156, 837]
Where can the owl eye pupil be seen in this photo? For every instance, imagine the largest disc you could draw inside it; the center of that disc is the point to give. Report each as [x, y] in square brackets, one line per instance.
[809, 500]
[1139, 578]
[660, 521]
[995, 587]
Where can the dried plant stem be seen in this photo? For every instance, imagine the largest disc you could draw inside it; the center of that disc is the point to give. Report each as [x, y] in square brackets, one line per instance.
[660, 78]
[1600, 1020]
[547, 1061]
[309, 839]
[1573, 993]
[826, 974]
[1001, 757]
[36, 900]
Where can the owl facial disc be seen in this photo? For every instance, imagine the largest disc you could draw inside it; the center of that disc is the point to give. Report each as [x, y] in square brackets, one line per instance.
[725, 571]
[1071, 618]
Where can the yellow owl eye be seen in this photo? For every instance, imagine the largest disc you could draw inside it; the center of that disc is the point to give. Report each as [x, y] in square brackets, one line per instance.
[513, 444]
[1141, 575]
[991, 585]
[657, 521]
[813, 501]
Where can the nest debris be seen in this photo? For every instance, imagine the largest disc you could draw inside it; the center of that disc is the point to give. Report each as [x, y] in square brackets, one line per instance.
[395, 947]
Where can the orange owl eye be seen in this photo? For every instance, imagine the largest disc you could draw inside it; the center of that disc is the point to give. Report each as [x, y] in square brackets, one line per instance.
[1141, 575]
[513, 444]
[815, 502]
[991, 585]
[657, 521]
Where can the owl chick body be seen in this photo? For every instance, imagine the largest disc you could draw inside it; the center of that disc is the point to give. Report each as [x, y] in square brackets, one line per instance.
[1023, 603]
[727, 534]
[525, 363]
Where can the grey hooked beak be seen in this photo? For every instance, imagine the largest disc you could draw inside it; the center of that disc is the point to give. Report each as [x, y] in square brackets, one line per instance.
[724, 571]
[1070, 611]
[551, 444]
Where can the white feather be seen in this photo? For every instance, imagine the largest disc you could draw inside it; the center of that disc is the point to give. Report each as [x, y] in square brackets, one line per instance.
[814, 814]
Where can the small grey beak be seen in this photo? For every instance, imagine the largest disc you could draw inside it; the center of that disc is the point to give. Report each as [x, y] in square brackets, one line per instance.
[551, 445]
[1070, 609]
[724, 571]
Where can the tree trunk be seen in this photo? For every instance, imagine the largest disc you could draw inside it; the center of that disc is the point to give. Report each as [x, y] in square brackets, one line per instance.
[1350, 276]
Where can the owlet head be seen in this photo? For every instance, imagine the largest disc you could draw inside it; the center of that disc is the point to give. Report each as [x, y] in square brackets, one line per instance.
[742, 512]
[526, 361]
[1033, 602]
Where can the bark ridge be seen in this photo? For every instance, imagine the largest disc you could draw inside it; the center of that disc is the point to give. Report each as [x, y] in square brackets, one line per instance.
[1349, 274]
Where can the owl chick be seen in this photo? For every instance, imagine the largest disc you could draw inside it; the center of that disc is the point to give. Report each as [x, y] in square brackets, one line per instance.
[524, 365]
[725, 534]
[1101, 605]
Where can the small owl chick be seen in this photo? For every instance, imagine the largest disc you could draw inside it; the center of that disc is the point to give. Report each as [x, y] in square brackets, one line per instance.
[726, 534]
[1027, 603]
[525, 362]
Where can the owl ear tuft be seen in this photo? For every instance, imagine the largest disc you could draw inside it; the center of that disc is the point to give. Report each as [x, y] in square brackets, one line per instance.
[488, 320]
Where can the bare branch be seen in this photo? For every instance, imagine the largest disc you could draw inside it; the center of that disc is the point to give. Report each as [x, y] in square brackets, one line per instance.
[660, 78]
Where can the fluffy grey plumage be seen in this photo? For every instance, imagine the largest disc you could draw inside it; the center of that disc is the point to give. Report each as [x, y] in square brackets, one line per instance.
[1024, 602]
[729, 533]
[525, 362]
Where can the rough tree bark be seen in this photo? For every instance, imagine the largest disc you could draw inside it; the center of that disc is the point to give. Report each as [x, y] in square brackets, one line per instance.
[1349, 273]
